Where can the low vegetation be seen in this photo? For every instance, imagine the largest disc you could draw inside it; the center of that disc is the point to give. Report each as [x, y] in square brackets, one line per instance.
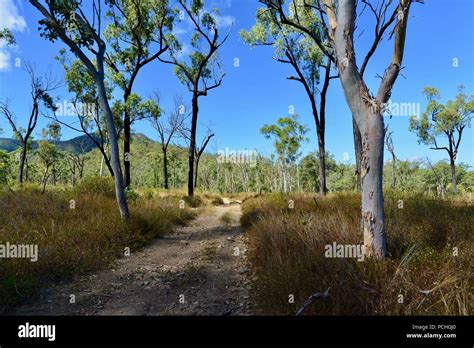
[68, 227]
[429, 270]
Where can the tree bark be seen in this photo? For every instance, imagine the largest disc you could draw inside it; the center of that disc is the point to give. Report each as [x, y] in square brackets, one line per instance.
[358, 151]
[373, 216]
[126, 147]
[322, 166]
[196, 172]
[22, 162]
[114, 149]
[192, 145]
[453, 175]
[165, 167]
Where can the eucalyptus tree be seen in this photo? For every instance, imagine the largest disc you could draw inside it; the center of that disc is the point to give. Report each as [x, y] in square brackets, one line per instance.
[136, 35]
[84, 105]
[298, 50]
[288, 135]
[200, 71]
[448, 120]
[40, 88]
[81, 30]
[340, 19]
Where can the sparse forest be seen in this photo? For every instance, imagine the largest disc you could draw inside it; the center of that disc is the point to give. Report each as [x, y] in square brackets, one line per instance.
[140, 181]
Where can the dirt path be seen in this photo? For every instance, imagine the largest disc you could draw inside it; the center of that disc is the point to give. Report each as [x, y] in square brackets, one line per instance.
[194, 271]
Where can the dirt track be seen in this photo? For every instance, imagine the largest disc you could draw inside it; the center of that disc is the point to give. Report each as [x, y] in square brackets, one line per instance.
[193, 271]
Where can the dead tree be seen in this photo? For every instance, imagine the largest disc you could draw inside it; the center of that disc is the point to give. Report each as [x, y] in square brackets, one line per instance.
[167, 129]
[39, 91]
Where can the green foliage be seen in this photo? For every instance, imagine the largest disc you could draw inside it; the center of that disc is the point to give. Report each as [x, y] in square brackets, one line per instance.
[438, 119]
[288, 135]
[134, 29]
[7, 36]
[290, 45]
[68, 19]
[132, 195]
[5, 167]
[47, 153]
[200, 69]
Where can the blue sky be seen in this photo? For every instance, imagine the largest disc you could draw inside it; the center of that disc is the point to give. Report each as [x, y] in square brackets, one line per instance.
[256, 92]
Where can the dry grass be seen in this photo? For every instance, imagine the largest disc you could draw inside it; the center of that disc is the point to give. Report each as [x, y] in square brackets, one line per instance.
[227, 218]
[72, 241]
[287, 256]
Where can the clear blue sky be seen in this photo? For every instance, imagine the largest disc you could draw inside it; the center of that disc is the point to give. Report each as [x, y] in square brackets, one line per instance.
[257, 92]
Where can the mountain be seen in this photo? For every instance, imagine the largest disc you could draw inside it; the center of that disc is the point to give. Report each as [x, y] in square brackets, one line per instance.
[76, 145]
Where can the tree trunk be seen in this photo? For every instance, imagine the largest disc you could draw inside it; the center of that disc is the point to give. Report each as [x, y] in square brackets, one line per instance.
[165, 167]
[27, 169]
[453, 175]
[196, 172]
[358, 151]
[101, 171]
[22, 162]
[126, 147]
[114, 149]
[322, 166]
[192, 145]
[44, 179]
[371, 182]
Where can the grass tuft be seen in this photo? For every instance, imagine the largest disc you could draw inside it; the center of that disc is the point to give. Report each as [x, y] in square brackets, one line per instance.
[287, 254]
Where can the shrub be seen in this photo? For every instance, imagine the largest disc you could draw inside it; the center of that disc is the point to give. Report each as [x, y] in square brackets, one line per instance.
[131, 194]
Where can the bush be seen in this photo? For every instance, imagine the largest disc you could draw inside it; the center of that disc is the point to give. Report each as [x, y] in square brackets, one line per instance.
[131, 194]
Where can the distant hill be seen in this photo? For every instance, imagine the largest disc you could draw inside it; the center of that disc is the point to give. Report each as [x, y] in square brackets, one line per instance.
[76, 145]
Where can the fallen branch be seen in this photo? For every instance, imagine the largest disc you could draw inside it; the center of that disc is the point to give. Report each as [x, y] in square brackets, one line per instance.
[311, 300]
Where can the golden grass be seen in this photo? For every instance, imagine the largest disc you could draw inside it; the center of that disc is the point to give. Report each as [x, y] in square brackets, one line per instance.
[287, 256]
[74, 239]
